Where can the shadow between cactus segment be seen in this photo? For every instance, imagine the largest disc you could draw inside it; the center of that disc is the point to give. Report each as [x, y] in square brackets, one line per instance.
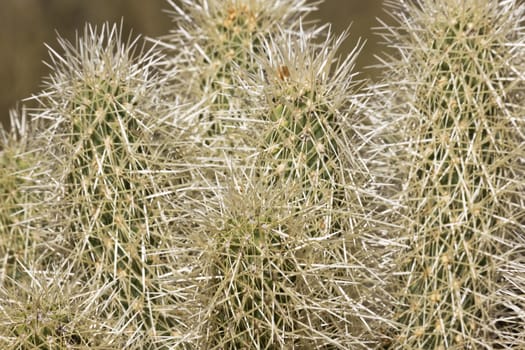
[19, 243]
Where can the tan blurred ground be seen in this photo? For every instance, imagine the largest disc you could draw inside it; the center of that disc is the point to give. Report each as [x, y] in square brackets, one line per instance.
[26, 24]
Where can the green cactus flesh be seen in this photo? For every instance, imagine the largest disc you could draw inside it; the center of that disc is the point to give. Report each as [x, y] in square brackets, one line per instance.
[237, 27]
[12, 243]
[302, 143]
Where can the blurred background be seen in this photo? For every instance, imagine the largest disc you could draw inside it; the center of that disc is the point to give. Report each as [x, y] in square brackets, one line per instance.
[25, 25]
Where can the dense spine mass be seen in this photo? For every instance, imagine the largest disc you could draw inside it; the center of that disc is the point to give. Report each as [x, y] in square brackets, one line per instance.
[104, 120]
[458, 77]
[280, 240]
[272, 275]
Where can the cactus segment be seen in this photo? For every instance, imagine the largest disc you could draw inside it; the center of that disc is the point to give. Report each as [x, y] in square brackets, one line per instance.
[453, 89]
[106, 123]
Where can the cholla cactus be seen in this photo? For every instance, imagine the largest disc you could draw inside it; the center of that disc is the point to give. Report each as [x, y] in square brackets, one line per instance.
[455, 106]
[105, 132]
[53, 310]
